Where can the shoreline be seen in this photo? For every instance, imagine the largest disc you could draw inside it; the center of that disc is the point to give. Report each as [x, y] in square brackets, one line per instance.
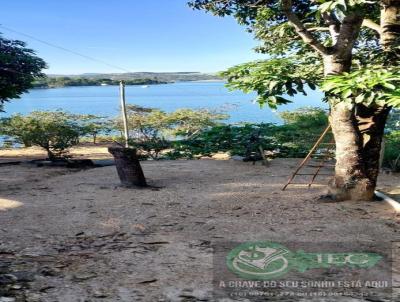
[127, 85]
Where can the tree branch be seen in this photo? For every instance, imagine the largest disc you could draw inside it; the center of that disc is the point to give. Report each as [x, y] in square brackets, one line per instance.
[333, 25]
[301, 30]
[372, 25]
[318, 28]
[348, 34]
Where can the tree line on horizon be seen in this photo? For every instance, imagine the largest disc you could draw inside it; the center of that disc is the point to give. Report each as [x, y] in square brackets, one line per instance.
[56, 82]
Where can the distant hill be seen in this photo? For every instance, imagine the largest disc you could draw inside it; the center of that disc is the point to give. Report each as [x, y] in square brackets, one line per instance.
[157, 76]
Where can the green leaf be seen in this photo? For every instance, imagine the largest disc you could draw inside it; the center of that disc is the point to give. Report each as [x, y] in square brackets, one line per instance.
[347, 93]
[324, 7]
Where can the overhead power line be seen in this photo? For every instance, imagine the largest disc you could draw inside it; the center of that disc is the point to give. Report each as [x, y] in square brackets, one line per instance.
[64, 49]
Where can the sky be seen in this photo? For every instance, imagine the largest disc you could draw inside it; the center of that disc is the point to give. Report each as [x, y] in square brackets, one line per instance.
[137, 35]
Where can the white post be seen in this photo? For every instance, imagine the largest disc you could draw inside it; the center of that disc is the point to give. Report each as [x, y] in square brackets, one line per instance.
[123, 108]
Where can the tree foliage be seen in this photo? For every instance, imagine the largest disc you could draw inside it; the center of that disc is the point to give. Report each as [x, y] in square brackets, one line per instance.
[151, 129]
[53, 131]
[274, 79]
[292, 139]
[369, 86]
[19, 67]
[306, 118]
[94, 125]
[296, 35]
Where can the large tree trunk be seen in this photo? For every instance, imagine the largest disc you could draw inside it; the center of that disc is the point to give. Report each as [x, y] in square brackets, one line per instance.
[371, 123]
[351, 181]
[358, 134]
[358, 130]
[390, 26]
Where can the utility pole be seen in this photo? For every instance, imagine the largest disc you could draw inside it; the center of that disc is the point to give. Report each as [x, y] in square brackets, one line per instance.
[123, 108]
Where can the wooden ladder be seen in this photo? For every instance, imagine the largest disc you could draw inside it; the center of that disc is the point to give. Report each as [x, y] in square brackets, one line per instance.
[323, 157]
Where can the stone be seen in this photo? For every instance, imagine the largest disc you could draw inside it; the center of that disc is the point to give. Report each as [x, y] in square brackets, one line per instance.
[99, 294]
[237, 157]
[7, 279]
[84, 276]
[221, 156]
[24, 276]
[7, 299]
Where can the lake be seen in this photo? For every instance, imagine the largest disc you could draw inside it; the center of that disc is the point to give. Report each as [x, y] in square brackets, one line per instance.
[104, 100]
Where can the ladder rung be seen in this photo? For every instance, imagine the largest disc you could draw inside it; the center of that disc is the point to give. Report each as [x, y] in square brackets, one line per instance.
[320, 161]
[322, 154]
[317, 166]
[316, 158]
[306, 184]
[313, 174]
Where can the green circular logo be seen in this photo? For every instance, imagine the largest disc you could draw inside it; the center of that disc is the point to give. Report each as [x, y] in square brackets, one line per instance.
[261, 260]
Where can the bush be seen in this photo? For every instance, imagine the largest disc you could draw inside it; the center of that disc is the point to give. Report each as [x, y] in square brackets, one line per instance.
[391, 158]
[242, 139]
[53, 131]
[295, 138]
[392, 153]
[94, 126]
[151, 130]
[301, 129]
[306, 118]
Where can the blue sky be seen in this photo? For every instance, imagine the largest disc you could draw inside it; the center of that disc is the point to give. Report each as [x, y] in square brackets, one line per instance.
[139, 35]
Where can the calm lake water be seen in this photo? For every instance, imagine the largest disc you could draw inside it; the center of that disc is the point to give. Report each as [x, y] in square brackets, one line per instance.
[104, 100]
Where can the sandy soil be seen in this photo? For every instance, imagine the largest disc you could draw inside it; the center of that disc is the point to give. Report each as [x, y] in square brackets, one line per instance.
[77, 236]
[98, 151]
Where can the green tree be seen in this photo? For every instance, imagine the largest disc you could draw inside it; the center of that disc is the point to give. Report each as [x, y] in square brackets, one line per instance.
[94, 125]
[53, 131]
[336, 45]
[307, 117]
[151, 129]
[187, 122]
[19, 67]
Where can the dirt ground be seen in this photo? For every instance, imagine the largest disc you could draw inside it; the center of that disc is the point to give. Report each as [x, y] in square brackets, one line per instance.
[68, 235]
[84, 150]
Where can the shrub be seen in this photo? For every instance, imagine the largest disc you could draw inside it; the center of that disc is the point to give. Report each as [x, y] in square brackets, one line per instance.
[94, 126]
[301, 129]
[151, 130]
[242, 139]
[53, 131]
[295, 138]
[306, 118]
[391, 158]
[392, 153]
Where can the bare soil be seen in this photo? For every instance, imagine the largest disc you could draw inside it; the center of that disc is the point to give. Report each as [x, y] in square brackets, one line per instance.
[84, 150]
[70, 235]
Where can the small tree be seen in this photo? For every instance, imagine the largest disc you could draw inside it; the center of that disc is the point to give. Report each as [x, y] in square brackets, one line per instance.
[53, 131]
[188, 122]
[150, 128]
[94, 125]
[147, 128]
